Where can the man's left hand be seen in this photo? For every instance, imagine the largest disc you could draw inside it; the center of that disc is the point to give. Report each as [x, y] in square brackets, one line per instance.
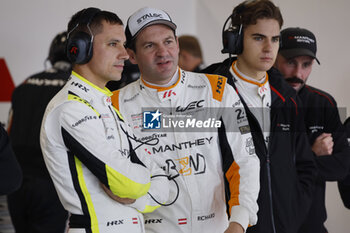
[234, 228]
[323, 144]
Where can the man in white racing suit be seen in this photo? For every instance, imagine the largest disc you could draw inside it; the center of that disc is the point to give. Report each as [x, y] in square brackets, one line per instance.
[99, 178]
[204, 164]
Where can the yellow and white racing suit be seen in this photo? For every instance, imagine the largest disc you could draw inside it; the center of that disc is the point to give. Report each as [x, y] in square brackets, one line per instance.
[84, 142]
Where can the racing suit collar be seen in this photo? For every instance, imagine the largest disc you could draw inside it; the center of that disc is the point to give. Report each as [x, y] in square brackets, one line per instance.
[250, 80]
[105, 91]
[158, 88]
[88, 91]
[166, 93]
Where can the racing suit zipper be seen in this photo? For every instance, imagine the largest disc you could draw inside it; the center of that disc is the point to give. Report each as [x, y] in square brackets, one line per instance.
[268, 166]
[268, 161]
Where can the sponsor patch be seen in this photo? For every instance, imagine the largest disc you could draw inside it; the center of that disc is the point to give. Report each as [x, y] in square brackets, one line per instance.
[249, 146]
[244, 129]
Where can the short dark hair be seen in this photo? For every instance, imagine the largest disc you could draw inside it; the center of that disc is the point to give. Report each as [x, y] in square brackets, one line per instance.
[96, 22]
[248, 12]
[191, 45]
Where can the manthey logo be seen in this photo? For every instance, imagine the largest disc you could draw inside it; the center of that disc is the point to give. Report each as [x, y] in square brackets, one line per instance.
[302, 39]
[160, 120]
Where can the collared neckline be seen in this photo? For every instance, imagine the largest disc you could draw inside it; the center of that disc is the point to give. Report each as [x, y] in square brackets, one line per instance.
[178, 73]
[105, 91]
[237, 73]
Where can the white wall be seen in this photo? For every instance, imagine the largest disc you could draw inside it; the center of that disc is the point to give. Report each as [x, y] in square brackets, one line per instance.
[27, 28]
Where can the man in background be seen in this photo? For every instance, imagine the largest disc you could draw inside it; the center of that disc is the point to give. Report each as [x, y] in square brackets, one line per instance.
[325, 131]
[35, 207]
[190, 56]
[10, 171]
[344, 185]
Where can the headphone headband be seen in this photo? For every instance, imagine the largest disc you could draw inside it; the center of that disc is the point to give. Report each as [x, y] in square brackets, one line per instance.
[85, 18]
[79, 45]
[88, 14]
[232, 38]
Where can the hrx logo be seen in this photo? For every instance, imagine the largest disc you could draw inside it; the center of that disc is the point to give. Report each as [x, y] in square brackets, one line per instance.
[152, 119]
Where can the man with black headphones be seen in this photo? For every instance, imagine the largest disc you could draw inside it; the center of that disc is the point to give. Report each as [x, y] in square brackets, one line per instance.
[325, 131]
[287, 169]
[35, 207]
[99, 178]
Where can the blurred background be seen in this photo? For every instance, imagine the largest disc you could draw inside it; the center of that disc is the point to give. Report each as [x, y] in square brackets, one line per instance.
[28, 27]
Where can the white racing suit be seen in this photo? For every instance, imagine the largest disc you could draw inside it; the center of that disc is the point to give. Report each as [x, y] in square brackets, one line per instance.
[85, 145]
[205, 164]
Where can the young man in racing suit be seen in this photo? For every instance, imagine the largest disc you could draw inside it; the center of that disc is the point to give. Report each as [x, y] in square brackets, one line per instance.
[84, 139]
[325, 131]
[203, 164]
[287, 170]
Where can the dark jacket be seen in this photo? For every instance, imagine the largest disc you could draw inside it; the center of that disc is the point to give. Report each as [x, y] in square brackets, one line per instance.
[322, 116]
[29, 101]
[287, 169]
[344, 185]
[10, 172]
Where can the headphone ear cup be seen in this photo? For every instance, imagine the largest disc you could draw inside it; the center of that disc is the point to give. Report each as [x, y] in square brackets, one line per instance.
[232, 42]
[79, 47]
[228, 39]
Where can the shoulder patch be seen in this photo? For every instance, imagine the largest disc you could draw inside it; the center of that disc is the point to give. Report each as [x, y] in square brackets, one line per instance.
[74, 97]
[115, 99]
[217, 84]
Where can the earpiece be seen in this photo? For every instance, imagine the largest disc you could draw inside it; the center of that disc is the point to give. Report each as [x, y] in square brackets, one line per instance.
[79, 43]
[232, 38]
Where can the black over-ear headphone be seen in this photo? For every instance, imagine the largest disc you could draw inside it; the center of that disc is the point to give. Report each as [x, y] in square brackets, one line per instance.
[232, 38]
[79, 43]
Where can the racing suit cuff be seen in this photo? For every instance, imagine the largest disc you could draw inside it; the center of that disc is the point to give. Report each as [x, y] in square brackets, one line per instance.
[140, 203]
[240, 214]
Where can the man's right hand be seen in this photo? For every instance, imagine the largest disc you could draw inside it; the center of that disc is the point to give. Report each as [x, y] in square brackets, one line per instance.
[234, 228]
[116, 198]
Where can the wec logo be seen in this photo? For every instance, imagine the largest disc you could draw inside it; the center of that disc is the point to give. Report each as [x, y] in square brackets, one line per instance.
[190, 106]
